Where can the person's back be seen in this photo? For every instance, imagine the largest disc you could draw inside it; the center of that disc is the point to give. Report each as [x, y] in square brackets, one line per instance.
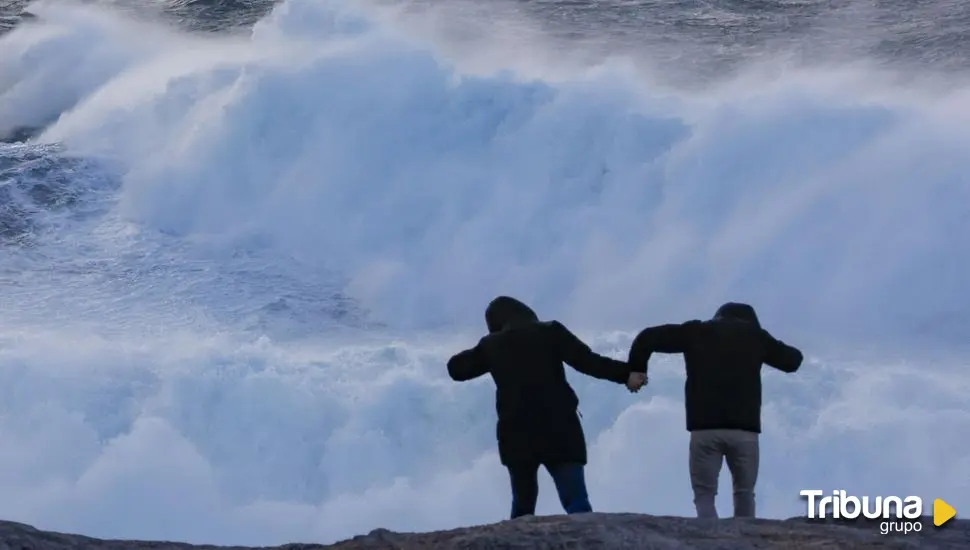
[723, 357]
[526, 363]
[723, 363]
[536, 406]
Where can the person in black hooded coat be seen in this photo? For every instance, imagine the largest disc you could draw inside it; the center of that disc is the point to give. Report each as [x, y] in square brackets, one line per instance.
[538, 422]
[723, 356]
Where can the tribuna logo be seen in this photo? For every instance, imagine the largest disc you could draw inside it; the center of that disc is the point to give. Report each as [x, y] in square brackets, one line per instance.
[900, 515]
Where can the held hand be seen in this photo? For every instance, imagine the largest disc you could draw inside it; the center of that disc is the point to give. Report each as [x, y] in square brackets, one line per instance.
[636, 381]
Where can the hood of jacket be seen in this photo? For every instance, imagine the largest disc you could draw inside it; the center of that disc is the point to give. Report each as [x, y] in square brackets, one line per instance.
[738, 312]
[505, 310]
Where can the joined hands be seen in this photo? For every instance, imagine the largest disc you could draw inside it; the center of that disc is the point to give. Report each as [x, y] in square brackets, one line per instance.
[636, 381]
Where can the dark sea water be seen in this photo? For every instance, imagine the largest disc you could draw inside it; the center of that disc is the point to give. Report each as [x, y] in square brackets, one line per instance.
[709, 35]
[206, 15]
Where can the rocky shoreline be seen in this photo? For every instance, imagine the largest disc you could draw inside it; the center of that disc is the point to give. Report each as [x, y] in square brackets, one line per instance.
[583, 531]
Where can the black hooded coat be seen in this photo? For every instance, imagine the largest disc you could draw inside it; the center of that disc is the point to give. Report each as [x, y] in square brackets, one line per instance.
[723, 356]
[537, 408]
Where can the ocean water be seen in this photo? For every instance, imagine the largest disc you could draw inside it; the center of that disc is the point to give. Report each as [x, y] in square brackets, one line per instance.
[238, 242]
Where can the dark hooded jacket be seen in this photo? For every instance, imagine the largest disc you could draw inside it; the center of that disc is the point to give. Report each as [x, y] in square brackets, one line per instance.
[536, 406]
[723, 356]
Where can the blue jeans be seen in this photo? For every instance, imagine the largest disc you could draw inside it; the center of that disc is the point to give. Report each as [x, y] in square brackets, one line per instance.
[570, 484]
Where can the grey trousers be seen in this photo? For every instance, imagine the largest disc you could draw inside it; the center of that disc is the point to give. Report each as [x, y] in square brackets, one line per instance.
[708, 449]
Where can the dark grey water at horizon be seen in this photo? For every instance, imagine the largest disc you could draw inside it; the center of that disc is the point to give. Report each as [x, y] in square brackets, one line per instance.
[702, 36]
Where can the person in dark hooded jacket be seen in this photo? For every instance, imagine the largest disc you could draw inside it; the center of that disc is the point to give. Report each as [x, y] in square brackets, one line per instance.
[538, 422]
[723, 357]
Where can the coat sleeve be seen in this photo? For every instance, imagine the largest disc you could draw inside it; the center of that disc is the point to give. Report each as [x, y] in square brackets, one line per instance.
[575, 353]
[780, 355]
[669, 338]
[467, 364]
